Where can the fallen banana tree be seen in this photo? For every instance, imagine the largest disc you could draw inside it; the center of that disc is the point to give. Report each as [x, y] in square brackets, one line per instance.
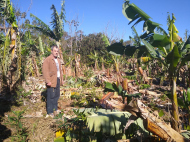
[151, 121]
[91, 124]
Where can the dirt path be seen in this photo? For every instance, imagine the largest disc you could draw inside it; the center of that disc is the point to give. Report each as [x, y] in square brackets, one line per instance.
[38, 127]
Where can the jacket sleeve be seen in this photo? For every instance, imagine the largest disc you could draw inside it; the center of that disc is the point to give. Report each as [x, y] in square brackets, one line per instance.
[45, 70]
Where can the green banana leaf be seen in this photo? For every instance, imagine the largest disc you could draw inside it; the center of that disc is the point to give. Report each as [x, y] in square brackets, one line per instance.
[151, 50]
[130, 50]
[133, 12]
[110, 122]
[61, 139]
[173, 57]
[188, 95]
[186, 46]
[116, 49]
[161, 41]
[105, 39]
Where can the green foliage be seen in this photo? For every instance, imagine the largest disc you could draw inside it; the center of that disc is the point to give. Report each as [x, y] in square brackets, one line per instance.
[90, 44]
[163, 97]
[144, 86]
[161, 113]
[79, 100]
[42, 27]
[88, 73]
[8, 12]
[2, 38]
[106, 41]
[131, 77]
[114, 88]
[74, 83]
[62, 139]
[15, 121]
[185, 101]
[57, 23]
[94, 125]
[186, 134]
[21, 94]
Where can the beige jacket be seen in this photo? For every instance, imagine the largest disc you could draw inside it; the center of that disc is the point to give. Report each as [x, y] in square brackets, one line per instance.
[49, 71]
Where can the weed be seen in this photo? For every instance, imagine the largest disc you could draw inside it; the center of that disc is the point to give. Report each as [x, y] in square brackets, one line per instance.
[34, 127]
[163, 97]
[88, 73]
[77, 125]
[131, 77]
[144, 86]
[15, 121]
[21, 94]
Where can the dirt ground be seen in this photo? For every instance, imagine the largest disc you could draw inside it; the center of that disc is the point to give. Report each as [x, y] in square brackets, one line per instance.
[42, 129]
[38, 127]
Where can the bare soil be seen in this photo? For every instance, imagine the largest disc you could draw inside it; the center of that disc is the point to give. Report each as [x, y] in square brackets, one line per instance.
[39, 128]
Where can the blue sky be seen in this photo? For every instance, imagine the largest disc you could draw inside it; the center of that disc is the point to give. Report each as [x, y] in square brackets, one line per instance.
[106, 15]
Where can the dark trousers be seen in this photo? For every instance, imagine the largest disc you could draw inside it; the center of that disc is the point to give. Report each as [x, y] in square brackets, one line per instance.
[53, 95]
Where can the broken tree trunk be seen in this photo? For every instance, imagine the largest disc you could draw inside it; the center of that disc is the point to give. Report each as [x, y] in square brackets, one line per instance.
[77, 65]
[143, 74]
[151, 121]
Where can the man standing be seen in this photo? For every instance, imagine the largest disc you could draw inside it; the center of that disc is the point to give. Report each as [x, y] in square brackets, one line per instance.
[53, 77]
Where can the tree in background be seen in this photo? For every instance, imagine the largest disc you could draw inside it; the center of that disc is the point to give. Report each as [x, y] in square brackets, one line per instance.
[57, 30]
[89, 44]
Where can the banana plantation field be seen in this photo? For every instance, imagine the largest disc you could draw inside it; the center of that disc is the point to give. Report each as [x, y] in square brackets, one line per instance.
[113, 91]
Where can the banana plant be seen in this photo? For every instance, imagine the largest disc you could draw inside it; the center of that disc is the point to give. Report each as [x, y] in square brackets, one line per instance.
[13, 40]
[95, 122]
[112, 87]
[185, 103]
[167, 48]
[94, 57]
[57, 23]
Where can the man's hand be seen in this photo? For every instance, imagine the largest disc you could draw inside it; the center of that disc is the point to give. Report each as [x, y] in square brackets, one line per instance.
[49, 84]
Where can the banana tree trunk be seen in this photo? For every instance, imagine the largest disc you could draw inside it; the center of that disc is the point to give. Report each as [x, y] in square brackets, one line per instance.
[61, 57]
[13, 42]
[175, 112]
[108, 72]
[96, 65]
[151, 121]
[35, 66]
[13, 48]
[145, 78]
[103, 68]
[119, 78]
[77, 65]
[189, 76]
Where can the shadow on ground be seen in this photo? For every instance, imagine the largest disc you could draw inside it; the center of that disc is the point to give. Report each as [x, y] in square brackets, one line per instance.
[7, 100]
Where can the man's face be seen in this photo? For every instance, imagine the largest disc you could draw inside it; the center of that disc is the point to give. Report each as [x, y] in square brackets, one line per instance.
[54, 52]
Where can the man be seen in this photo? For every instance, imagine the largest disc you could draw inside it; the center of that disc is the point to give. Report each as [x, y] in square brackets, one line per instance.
[53, 77]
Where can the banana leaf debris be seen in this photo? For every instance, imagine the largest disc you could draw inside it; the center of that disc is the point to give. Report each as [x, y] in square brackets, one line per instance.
[151, 121]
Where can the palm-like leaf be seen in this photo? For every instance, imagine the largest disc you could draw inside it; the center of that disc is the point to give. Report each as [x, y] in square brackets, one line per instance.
[136, 39]
[105, 40]
[109, 122]
[134, 13]
[2, 5]
[7, 11]
[42, 27]
[62, 14]
[57, 23]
